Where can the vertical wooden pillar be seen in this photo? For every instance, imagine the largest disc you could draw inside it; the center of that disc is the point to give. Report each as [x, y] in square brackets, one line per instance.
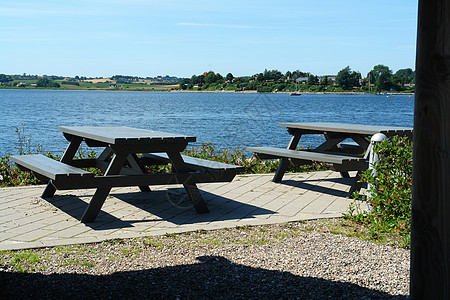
[430, 237]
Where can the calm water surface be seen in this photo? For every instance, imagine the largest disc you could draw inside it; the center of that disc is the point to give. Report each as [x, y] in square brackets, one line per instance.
[224, 119]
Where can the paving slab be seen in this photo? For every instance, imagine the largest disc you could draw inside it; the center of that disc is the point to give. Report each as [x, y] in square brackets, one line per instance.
[28, 221]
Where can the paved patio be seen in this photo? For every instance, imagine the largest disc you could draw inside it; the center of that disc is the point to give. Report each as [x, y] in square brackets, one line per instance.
[28, 221]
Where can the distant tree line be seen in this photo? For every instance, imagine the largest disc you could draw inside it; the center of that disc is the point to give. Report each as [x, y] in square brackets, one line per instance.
[45, 82]
[124, 79]
[41, 82]
[380, 78]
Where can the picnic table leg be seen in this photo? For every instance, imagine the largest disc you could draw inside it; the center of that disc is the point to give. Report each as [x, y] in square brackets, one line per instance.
[345, 174]
[106, 155]
[356, 186]
[284, 161]
[133, 161]
[189, 185]
[363, 144]
[66, 158]
[100, 195]
[135, 165]
[361, 141]
[331, 145]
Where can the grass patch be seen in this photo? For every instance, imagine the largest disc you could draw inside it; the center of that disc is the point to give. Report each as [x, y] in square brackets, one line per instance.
[130, 252]
[81, 258]
[22, 261]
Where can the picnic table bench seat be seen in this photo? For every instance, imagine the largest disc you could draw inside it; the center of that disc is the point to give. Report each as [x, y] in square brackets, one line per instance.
[340, 161]
[197, 164]
[48, 167]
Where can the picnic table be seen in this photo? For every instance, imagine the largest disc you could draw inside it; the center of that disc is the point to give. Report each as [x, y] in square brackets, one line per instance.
[127, 152]
[345, 147]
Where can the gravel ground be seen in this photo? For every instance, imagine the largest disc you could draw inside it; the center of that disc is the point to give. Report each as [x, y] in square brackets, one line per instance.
[291, 261]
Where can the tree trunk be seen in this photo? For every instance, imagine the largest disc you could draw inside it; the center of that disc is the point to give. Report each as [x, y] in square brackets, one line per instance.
[430, 236]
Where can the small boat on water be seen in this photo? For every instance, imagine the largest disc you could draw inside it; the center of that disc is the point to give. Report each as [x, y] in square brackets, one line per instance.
[296, 93]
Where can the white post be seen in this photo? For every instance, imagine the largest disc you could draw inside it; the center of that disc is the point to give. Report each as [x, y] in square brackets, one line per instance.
[373, 157]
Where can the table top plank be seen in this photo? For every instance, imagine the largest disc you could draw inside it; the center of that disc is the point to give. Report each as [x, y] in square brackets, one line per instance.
[348, 128]
[124, 135]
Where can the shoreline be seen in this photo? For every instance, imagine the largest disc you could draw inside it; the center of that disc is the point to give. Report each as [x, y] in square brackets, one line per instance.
[303, 93]
[212, 92]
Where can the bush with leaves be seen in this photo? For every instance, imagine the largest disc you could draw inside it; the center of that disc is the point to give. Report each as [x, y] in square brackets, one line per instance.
[389, 195]
[10, 175]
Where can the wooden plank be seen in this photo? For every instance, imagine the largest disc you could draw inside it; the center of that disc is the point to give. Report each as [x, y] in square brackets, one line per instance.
[322, 127]
[305, 155]
[430, 235]
[143, 179]
[330, 144]
[48, 167]
[123, 135]
[196, 163]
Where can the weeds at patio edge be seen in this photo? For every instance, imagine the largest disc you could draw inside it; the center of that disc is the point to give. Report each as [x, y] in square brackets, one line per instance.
[390, 194]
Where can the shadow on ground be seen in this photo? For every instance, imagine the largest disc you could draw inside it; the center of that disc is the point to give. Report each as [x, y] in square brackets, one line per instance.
[172, 205]
[304, 184]
[213, 277]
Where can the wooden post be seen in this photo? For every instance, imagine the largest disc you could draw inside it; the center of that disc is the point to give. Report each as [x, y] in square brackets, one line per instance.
[430, 237]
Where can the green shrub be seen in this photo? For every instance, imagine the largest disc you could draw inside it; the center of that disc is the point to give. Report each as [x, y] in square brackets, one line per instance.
[10, 175]
[390, 190]
[45, 82]
[264, 89]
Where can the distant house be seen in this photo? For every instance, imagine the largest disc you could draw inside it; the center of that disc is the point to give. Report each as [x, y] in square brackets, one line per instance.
[112, 85]
[301, 79]
[330, 79]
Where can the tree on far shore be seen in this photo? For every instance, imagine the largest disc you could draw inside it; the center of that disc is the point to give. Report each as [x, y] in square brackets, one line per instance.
[5, 78]
[45, 82]
[348, 79]
[380, 75]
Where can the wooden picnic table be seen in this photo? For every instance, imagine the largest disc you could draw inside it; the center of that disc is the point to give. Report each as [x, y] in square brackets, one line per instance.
[342, 155]
[127, 152]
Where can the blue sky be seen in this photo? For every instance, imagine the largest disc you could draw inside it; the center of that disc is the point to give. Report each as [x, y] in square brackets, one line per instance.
[182, 38]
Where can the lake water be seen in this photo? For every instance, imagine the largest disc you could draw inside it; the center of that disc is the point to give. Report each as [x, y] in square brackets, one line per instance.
[223, 119]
